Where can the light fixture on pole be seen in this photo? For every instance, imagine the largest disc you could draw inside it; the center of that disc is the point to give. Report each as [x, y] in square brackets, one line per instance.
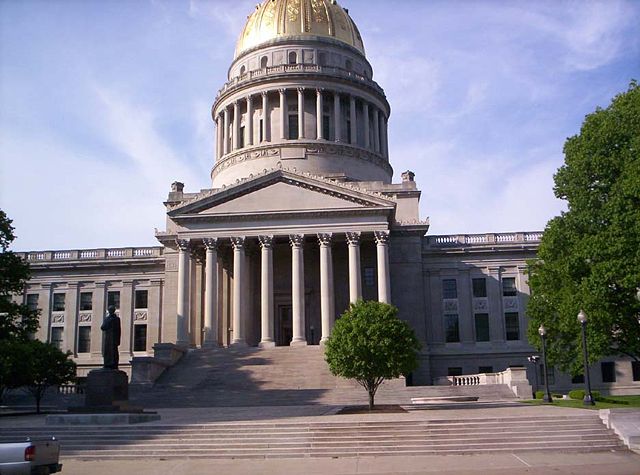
[588, 397]
[534, 360]
[543, 334]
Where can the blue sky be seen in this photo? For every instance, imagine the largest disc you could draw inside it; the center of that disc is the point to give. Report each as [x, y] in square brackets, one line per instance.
[104, 103]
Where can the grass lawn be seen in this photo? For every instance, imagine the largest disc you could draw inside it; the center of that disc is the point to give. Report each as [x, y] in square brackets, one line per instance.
[621, 402]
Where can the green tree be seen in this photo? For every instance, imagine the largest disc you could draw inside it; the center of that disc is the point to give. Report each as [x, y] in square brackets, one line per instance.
[369, 343]
[17, 321]
[46, 366]
[589, 257]
[13, 365]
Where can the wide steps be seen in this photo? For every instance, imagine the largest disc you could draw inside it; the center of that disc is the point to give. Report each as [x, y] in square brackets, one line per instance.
[330, 438]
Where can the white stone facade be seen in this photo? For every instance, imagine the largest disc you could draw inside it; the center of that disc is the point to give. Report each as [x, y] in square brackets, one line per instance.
[301, 219]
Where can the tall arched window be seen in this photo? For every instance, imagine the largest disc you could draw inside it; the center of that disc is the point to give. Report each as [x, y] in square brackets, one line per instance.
[349, 65]
[243, 70]
[264, 62]
[293, 58]
[322, 59]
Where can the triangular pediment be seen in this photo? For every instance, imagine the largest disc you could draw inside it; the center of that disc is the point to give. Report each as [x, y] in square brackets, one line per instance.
[278, 192]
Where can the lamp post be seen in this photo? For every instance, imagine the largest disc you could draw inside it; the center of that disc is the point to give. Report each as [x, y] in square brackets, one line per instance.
[588, 397]
[543, 333]
[534, 360]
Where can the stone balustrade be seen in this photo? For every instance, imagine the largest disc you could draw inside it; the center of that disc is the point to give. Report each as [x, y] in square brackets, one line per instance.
[465, 240]
[91, 254]
[515, 378]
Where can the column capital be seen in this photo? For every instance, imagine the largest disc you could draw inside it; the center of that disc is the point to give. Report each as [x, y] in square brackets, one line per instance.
[337, 93]
[264, 93]
[99, 285]
[183, 244]
[382, 237]
[266, 241]
[238, 242]
[319, 90]
[325, 239]
[353, 238]
[282, 91]
[296, 240]
[301, 90]
[210, 243]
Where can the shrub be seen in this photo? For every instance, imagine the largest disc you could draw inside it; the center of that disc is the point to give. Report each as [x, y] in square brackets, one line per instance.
[539, 394]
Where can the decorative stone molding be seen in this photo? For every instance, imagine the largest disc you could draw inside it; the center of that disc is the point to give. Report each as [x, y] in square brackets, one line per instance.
[266, 241]
[325, 239]
[382, 237]
[57, 317]
[450, 305]
[353, 238]
[480, 305]
[85, 317]
[510, 303]
[296, 240]
[140, 315]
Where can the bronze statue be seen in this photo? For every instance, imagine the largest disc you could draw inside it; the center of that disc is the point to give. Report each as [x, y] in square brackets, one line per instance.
[111, 338]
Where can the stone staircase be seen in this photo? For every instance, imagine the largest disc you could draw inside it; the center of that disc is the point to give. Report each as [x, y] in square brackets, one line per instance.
[281, 376]
[331, 438]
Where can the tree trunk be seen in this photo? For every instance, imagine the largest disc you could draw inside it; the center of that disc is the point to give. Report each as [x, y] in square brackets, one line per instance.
[372, 393]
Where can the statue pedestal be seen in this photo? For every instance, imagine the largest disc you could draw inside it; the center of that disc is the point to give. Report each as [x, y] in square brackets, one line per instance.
[106, 388]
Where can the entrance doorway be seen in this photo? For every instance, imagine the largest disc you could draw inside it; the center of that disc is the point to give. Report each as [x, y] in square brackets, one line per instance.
[284, 327]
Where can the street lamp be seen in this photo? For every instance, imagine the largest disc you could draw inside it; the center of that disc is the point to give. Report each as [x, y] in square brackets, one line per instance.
[588, 397]
[534, 360]
[543, 333]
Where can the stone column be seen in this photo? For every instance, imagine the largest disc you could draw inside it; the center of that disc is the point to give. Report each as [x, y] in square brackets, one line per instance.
[376, 130]
[266, 127]
[211, 293]
[327, 297]
[97, 316]
[266, 293]
[236, 125]
[126, 320]
[249, 127]
[225, 132]
[238, 294]
[382, 252]
[71, 318]
[184, 274]
[385, 136]
[297, 289]
[337, 117]
[353, 119]
[355, 283]
[365, 113]
[283, 113]
[218, 137]
[319, 115]
[301, 133]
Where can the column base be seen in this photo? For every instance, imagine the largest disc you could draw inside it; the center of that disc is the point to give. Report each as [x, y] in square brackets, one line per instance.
[239, 344]
[298, 343]
[267, 344]
[210, 344]
[323, 341]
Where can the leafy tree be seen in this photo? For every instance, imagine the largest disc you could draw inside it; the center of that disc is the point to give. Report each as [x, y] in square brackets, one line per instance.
[589, 257]
[369, 343]
[13, 365]
[46, 366]
[17, 321]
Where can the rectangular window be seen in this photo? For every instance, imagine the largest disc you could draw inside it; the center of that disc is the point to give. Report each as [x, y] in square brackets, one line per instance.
[449, 289]
[326, 127]
[139, 338]
[635, 368]
[454, 371]
[369, 276]
[485, 369]
[349, 131]
[608, 372]
[452, 328]
[32, 301]
[86, 300]
[56, 337]
[551, 374]
[482, 327]
[577, 379]
[58, 302]
[84, 339]
[113, 298]
[293, 126]
[241, 138]
[512, 325]
[261, 130]
[509, 287]
[142, 299]
[479, 287]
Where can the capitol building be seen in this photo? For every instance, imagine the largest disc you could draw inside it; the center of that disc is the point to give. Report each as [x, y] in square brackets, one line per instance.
[302, 217]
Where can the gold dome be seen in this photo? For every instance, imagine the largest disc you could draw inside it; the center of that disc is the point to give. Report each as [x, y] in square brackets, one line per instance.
[275, 19]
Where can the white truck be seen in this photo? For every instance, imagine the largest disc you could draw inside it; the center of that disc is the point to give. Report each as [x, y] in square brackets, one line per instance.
[30, 456]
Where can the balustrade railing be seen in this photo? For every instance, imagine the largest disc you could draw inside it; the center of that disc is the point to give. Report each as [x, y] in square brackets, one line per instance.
[452, 240]
[87, 254]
